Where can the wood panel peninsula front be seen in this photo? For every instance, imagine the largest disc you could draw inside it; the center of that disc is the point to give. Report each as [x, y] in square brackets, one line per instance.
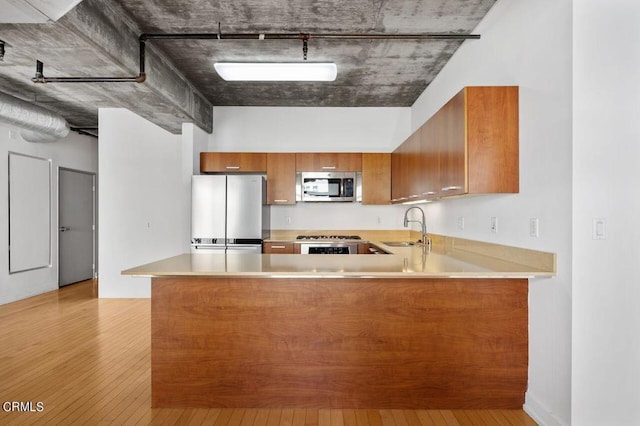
[445, 329]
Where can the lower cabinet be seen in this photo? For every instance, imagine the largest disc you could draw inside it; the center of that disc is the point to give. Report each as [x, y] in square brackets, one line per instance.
[281, 248]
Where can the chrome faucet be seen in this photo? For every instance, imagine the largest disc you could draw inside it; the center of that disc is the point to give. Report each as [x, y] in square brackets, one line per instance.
[425, 237]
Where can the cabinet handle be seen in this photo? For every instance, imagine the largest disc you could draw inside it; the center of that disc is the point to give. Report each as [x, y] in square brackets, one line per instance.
[414, 196]
[429, 193]
[233, 167]
[328, 167]
[280, 201]
[451, 188]
[278, 247]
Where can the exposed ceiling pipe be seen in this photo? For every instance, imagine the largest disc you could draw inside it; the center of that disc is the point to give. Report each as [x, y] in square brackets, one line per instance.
[141, 77]
[37, 124]
[302, 36]
[89, 131]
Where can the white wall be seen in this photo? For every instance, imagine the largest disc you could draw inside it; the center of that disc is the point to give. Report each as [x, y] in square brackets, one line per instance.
[142, 174]
[194, 141]
[333, 216]
[528, 44]
[306, 129]
[606, 154]
[74, 152]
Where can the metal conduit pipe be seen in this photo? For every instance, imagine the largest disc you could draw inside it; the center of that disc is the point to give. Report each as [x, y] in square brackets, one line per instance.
[37, 124]
[308, 36]
[141, 77]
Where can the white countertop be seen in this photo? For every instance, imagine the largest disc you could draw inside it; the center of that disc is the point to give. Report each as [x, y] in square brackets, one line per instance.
[409, 262]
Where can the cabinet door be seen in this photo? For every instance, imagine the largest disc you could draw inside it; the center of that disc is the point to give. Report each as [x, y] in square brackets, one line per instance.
[492, 139]
[414, 177]
[376, 178]
[450, 123]
[281, 178]
[278, 248]
[233, 162]
[430, 160]
[328, 162]
[363, 248]
[400, 174]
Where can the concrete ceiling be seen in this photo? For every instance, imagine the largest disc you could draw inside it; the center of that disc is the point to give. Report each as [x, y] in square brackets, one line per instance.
[99, 38]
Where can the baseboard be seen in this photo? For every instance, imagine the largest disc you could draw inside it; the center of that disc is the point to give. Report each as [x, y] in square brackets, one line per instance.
[539, 413]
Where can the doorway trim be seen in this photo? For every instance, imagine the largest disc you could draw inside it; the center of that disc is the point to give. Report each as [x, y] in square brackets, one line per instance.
[94, 218]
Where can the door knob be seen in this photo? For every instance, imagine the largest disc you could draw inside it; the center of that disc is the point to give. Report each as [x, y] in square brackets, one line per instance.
[64, 228]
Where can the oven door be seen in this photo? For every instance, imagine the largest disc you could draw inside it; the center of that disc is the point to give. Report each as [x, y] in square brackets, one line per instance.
[329, 248]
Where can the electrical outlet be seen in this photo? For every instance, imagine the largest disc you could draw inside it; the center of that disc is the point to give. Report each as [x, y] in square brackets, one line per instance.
[494, 225]
[534, 227]
[288, 220]
[461, 222]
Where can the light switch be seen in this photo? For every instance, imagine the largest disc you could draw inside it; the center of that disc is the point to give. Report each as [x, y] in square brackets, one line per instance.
[599, 231]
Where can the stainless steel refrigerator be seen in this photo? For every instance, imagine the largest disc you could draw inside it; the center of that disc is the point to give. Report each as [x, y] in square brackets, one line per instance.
[229, 213]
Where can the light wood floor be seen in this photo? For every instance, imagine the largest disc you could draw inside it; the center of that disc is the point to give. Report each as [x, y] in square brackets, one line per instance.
[87, 361]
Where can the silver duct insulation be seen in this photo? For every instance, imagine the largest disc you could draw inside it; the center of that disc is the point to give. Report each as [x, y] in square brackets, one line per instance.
[37, 124]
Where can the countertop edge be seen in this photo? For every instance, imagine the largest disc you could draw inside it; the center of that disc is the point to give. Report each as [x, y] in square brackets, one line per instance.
[298, 275]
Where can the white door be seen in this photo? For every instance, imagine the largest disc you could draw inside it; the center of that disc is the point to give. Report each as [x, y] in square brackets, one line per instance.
[76, 226]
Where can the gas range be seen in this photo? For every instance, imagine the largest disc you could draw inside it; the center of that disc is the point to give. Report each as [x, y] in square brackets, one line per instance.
[328, 244]
[328, 237]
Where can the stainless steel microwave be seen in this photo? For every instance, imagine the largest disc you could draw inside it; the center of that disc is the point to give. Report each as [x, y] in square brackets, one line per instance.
[327, 186]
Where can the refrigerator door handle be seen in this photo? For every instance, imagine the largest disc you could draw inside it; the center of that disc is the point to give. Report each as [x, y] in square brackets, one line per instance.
[244, 249]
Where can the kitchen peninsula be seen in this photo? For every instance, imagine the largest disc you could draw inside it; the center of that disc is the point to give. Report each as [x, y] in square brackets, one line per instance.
[411, 329]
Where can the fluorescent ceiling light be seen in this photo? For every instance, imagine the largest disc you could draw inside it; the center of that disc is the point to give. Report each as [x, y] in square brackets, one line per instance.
[271, 71]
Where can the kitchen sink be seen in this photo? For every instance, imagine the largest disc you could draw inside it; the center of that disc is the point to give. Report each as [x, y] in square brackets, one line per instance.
[400, 243]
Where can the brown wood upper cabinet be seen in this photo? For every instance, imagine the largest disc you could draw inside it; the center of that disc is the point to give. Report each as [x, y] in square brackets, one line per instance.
[329, 162]
[281, 178]
[470, 146]
[406, 168]
[212, 162]
[376, 178]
